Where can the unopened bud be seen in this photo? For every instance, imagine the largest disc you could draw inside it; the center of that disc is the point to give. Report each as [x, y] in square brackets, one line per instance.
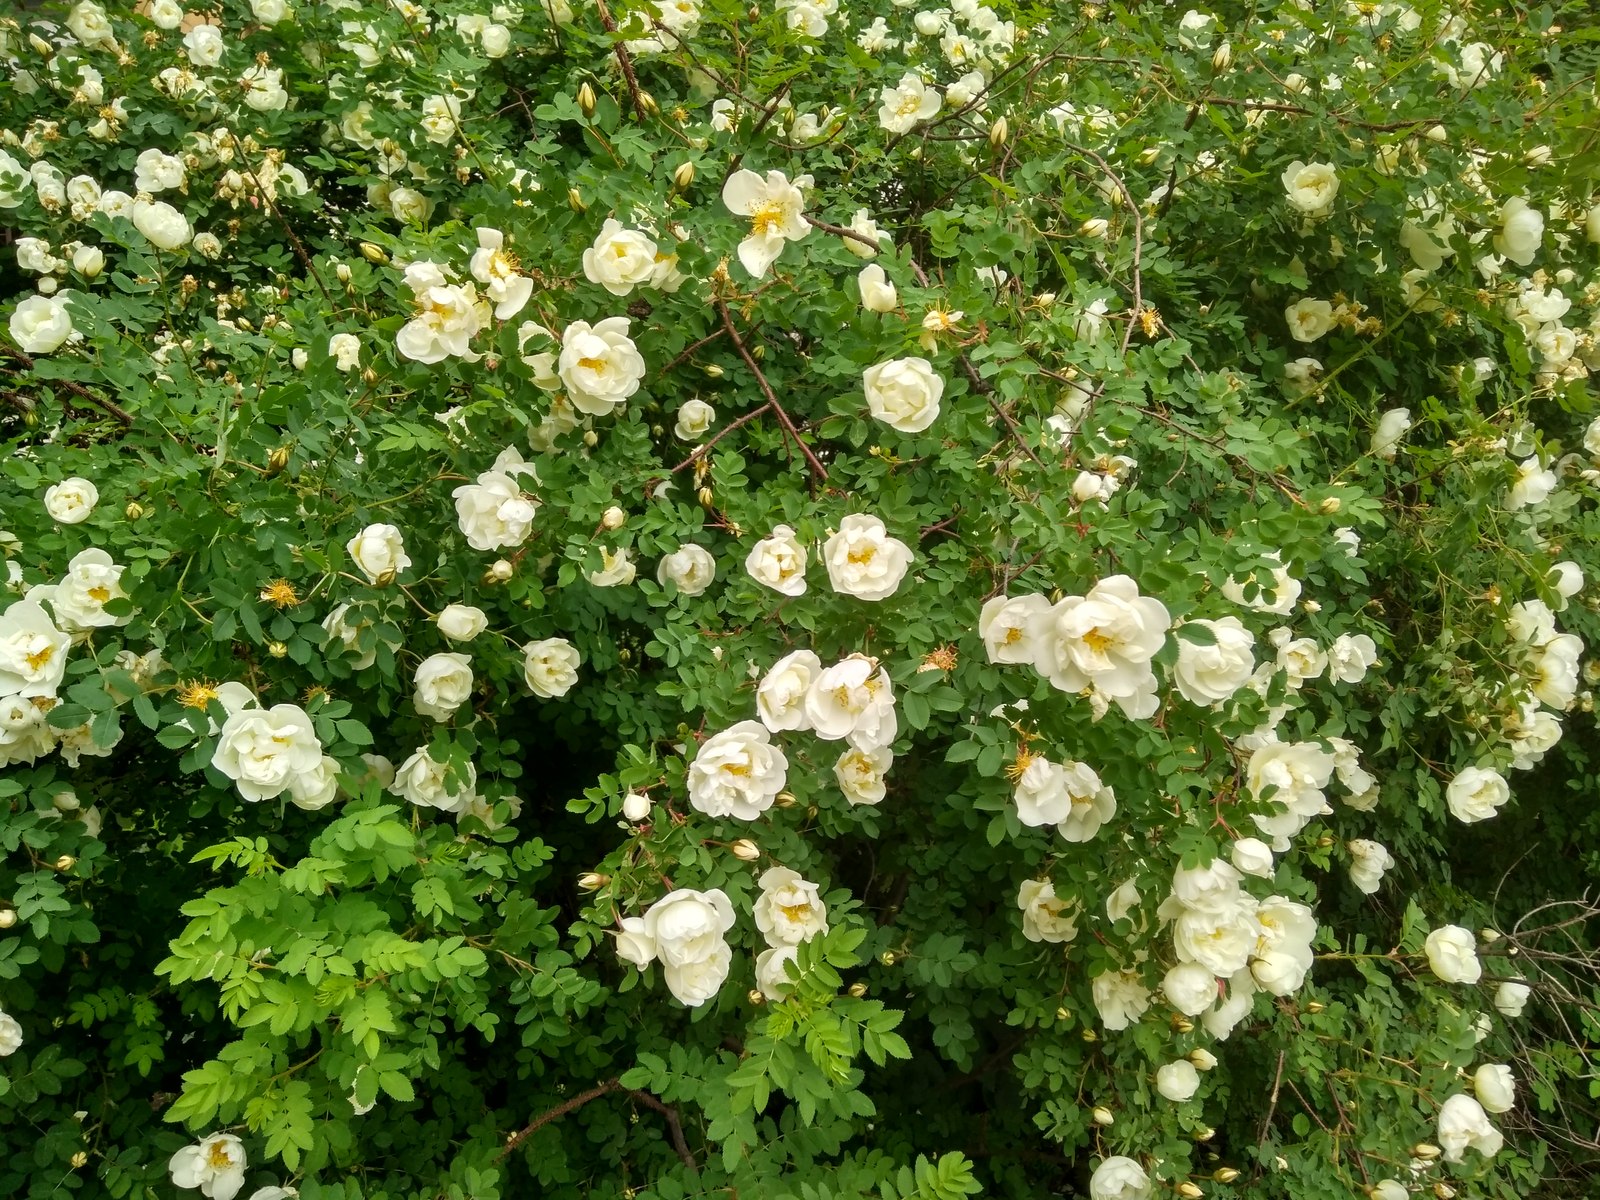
[1225, 1174]
[1330, 505]
[134, 511]
[591, 439]
[707, 500]
[1222, 57]
[648, 103]
[755, 997]
[369, 377]
[1315, 1006]
[65, 863]
[1088, 1035]
[277, 460]
[1426, 1151]
[1537, 157]
[498, 571]
[1148, 155]
[745, 850]
[714, 370]
[1437, 133]
[785, 800]
[858, 990]
[1204, 1134]
[277, 649]
[683, 177]
[888, 958]
[1182, 1024]
[593, 881]
[613, 518]
[999, 132]
[1443, 1190]
[636, 806]
[1325, 842]
[374, 254]
[1094, 227]
[575, 201]
[1489, 936]
[586, 99]
[1203, 1060]
[342, 271]
[8, 917]
[1189, 1191]
[1102, 1116]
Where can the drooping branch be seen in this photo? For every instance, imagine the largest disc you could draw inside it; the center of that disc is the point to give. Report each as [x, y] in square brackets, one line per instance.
[77, 389]
[674, 1126]
[818, 471]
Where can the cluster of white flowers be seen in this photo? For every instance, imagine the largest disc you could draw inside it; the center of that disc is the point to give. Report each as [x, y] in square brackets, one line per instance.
[447, 315]
[686, 932]
[851, 701]
[495, 512]
[789, 911]
[1068, 795]
[270, 752]
[862, 559]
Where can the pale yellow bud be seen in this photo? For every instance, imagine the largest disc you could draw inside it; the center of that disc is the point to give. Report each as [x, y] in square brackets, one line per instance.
[586, 99]
[575, 201]
[1102, 1116]
[374, 254]
[79, 1159]
[591, 439]
[745, 850]
[277, 649]
[1224, 1174]
[858, 990]
[1426, 1151]
[498, 571]
[8, 917]
[1222, 57]
[999, 132]
[683, 177]
[1094, 227]
[593, 881]
[888, 958]
[342, 272]
[277, 460]
[134, 511]
[65, 863]
[1330, 505]
[613, 518]
[755, 997]
[1189, 1191]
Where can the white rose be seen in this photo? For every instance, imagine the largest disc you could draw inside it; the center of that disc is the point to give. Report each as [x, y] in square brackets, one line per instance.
[862, 775]
[863, 224]
[495, 40]
[1210, 674]
[690, 568]
[550, 667]
[89, 261]
[1045, 917]
[1511, 997]
[620, 259]
[494, 512]
[89, 25]
[688, 926]
[156, 171]
[737, 773]
[1220, 940]
[1369, 861]
[461, 622]
[863, 560]
[772, 977]
[1392, 427]
[1221, 1020]
[616, 569]
[264, 751]
[781, 694]
[634, 946]
[162, 225]
[443, 684]
[1495, 1087]
[1521, 231]
[600, 365]
[1349, 657]
[790, 909]
[1178, 1081]
[379, 551]
[1453, 955]
[269, 12]
[877, 292]
[316, 788]
[1476, 794]
[33, 653]
[1299, 658]
[216, 1165]
[1308, 319]
[10, 1035]
[91, 582]
[1311, 187]
[1279, 599]
[776, 211]
[904, 393]
[1463, 1125]
[1119, 997]
[778, 561]
[907, 103]
[423, 780]
[1010, 627]
[1120, 1178]
[1105, 641]
[1390, 1189]
[853, 700]
[41, 325]
[636, 807]
[1189, 988]
[1252, 856]
[346, 351]
[204, 44]
[1533, 484]
[695, 418]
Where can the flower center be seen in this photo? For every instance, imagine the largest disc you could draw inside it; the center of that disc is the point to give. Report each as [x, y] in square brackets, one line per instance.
[218, 1157]
[796, 913]
[38, 658]
[99, 594]
[766, 219]
[592, 364]
[1097, 641]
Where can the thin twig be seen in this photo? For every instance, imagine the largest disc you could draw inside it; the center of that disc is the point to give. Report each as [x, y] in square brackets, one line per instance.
[77, 389]
[624, 60]
[700, 450]
[817, 469]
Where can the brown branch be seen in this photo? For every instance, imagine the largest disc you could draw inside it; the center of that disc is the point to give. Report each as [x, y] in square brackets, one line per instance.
[624, 60]
[674, 1125]
[688, 350]
[818, 471]
[700, 450]
[77, 389]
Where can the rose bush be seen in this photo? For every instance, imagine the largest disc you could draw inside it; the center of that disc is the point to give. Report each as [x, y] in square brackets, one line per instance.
[530, 666]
